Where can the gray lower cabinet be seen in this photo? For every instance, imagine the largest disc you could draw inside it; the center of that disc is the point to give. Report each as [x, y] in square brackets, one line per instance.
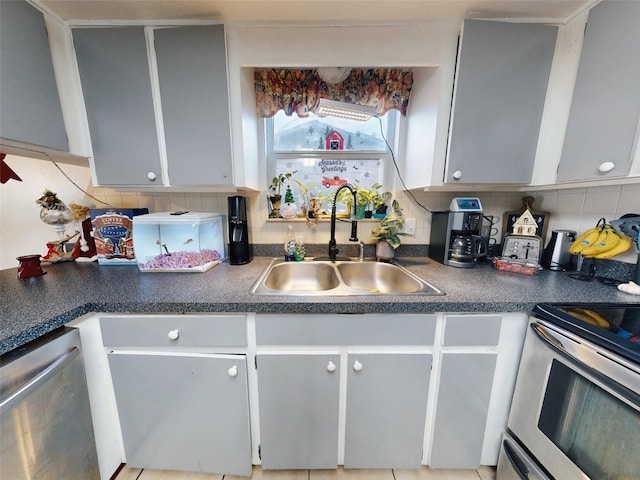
[31, 111]
[605, 110]
[386, 409]
[462, 408]
[501, 84]
[467, 368]
[298, 410]
[183, 411]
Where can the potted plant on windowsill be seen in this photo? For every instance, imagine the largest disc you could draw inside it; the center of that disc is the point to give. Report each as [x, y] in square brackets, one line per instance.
[364, 198]
[388, 233]
[381, 204]
[275, 189]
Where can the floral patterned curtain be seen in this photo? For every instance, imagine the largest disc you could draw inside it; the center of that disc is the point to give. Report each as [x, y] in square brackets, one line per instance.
[298, 91]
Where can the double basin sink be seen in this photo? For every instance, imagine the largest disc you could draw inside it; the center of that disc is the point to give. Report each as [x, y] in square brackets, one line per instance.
[340, 278]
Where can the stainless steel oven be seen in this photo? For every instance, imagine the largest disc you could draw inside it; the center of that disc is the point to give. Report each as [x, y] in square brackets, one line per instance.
[576, 407]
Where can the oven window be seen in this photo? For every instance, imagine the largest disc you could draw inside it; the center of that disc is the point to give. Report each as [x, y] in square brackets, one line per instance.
[596, 430]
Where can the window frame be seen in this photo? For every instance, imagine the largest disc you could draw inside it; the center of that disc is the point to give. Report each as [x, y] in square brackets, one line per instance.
[392, 126]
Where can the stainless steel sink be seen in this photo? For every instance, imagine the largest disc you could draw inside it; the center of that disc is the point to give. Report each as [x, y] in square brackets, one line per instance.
[301, 277]
[340, 278]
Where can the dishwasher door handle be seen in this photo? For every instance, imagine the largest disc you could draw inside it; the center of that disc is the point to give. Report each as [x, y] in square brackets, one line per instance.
[33, 383]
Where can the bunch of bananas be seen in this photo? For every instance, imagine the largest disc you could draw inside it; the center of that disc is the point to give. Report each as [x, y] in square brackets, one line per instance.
[602, 241]
[589, 316]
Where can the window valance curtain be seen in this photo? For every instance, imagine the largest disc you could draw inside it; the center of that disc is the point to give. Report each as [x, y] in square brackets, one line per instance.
[298, 91]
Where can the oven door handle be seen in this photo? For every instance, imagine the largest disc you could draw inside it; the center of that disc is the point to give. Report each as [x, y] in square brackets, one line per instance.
[550, 339]
[516, 462]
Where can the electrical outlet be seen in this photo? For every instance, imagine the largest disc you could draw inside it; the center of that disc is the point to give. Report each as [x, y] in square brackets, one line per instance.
[410, 226]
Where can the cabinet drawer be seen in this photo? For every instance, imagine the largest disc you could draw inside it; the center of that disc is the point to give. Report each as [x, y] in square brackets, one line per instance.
[174, 330]
[345, 329]
[472, 330]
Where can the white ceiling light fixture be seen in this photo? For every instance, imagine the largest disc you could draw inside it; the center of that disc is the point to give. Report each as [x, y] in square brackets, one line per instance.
[351, 111]
[333, 75]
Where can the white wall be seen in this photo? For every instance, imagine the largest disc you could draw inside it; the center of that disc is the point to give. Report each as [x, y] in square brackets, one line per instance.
[428, 47]
[21, 231]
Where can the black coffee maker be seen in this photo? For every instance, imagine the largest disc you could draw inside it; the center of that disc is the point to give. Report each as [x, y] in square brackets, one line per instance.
[239, 248]
[455, 234]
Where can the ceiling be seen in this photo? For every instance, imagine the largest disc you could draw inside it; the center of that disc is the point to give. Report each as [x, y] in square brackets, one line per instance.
[333, 11]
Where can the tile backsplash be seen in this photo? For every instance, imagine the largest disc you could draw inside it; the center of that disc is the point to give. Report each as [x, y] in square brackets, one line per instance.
[570, 208]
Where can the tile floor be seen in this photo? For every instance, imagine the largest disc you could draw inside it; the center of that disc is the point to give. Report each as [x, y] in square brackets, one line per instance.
[425, 473]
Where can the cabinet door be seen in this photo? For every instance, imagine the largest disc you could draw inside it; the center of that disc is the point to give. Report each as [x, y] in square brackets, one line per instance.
[116, 84]
[183, 412]
[298, 410]
[31, 111]
[605, 110]
[466, 381]
[386, 409]
[502, 75]
[192, 72]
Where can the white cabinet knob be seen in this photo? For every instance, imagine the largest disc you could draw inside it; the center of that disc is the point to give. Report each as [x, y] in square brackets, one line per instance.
[233, 371]
[606, 167]
[357, 366]
[152, 176]
[331, 367]
[457, 175]
[173, 334]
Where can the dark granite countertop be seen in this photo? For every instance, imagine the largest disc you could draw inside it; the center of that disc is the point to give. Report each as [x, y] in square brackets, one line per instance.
[32, 307]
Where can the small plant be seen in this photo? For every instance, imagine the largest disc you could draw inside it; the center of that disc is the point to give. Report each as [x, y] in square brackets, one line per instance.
[381, 200]
[364, 196]
[279, 181]
[391, 226]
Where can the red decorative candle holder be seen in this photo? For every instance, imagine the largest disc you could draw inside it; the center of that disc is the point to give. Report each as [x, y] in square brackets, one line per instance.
[29, 266]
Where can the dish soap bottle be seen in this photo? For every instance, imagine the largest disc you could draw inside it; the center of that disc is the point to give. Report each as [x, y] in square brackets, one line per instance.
[290, 245]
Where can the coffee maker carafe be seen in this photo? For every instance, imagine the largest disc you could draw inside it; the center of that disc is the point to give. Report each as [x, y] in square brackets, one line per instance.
[455, 234]
[239, 248]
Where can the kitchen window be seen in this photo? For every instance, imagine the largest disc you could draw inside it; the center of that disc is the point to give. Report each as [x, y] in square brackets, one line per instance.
[323, 153]
[311, 155]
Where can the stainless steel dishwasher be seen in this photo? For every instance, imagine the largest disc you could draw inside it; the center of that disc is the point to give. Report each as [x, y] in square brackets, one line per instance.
[45, 417]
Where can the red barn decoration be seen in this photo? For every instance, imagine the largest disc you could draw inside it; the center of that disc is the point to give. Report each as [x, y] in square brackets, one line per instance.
[334, 141]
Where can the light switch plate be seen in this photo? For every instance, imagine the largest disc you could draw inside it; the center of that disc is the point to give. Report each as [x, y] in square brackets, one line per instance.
[410, 226]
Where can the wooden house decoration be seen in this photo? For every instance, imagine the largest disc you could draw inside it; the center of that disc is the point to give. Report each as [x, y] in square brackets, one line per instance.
[525, 224]
[334, 141]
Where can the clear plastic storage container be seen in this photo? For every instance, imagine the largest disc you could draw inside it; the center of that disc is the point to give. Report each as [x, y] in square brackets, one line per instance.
[179, 241]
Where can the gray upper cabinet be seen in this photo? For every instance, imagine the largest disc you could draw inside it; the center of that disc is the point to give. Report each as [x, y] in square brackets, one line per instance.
[179, 137]
[605, 110]
[501, 83]
[31, 111]
[192, 74]
[116, 86]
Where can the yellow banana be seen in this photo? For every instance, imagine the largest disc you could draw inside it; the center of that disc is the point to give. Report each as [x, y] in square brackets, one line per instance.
[578, 314]
[596, 317]
[622, 246]
[585, 240]
[607, 240]
[588, 316]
